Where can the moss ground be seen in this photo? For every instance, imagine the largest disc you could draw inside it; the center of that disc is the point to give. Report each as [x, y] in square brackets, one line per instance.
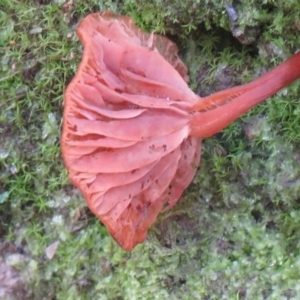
[235, 233]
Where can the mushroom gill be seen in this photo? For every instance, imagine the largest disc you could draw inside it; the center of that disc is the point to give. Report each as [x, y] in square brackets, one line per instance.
[132, 128]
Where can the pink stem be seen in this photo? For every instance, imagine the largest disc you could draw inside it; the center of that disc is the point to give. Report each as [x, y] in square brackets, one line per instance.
[226, 106]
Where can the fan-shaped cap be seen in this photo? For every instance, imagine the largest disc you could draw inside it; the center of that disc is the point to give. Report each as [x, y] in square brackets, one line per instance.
[125, 138]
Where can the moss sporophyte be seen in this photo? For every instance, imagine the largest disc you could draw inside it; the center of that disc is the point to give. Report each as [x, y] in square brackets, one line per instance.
[132, 127]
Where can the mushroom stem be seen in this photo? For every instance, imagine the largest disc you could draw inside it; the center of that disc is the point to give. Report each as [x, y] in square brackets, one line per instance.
[215, 112]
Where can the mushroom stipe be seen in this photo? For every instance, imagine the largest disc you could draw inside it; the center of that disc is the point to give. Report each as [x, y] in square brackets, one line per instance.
[132, 128]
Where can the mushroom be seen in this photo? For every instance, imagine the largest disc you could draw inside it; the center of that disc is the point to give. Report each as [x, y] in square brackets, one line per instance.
[132, 128]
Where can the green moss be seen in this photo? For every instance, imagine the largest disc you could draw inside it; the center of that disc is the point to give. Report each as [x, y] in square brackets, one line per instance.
[234, 235]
